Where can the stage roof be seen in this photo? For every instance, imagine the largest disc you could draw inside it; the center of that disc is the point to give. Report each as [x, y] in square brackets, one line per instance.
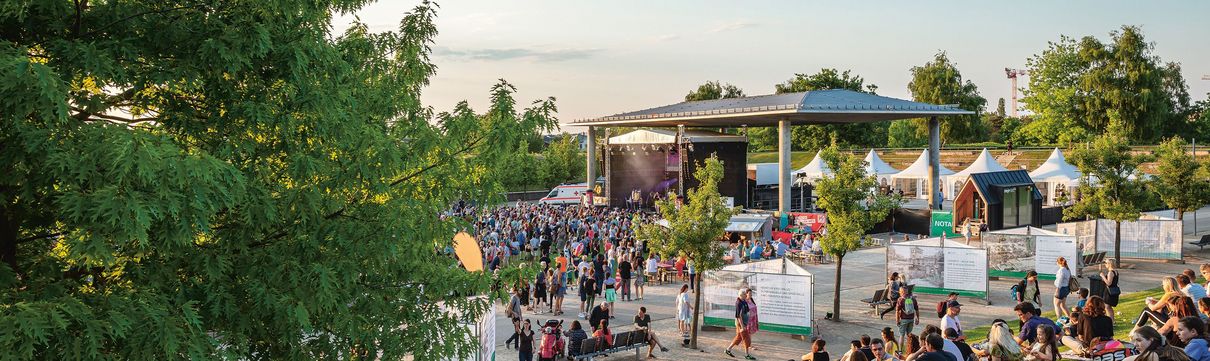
[833, 106]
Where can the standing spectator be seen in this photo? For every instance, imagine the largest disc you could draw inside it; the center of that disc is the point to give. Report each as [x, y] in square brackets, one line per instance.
[692, 274]
[907, 313]
[525, 346]
[611, 292]
[540, 291]
[684, 312]
[951, 321]
[560, 290]
[624, 273]
[1110, 276]
[741, 325]
[817, 351]
[588, 292]
[1092, 327]
[944, 304]
[1192, 331]
[1062, 288]
[1031, 319]
[893, 284]
[514, 313]
[1027, 289]
[640, 278]
[575, 338]
[642, 321]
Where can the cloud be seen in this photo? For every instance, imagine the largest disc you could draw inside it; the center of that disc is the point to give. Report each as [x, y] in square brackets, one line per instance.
[537, 55]
[733, 26]
[667, 37]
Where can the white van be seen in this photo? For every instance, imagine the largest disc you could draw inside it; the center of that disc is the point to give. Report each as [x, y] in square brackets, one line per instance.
[566, 194]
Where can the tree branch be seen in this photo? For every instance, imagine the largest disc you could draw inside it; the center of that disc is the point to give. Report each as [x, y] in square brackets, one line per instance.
[149, 12]
[40, 237]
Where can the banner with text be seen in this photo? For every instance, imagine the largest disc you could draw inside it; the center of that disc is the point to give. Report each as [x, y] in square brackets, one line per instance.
[934, 269]
[1013, 252]
[784, 299]
[942, 222]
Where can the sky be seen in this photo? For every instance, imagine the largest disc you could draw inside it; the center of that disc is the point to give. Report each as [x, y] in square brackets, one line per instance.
[608, 57]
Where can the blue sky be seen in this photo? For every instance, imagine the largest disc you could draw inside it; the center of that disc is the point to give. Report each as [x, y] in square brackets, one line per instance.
[601, 58]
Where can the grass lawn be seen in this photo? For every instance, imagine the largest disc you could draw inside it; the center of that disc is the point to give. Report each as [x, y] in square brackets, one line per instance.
[1129, 306]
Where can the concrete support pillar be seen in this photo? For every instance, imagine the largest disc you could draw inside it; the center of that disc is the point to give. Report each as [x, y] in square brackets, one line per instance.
[591, 155]
[783, 166]
[934, 163]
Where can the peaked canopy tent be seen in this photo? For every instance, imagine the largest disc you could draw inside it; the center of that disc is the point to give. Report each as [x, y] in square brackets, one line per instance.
[876, 167]
[982, 164]
[814, 169]
[837, 106]
[913, 179]
[1056, 178]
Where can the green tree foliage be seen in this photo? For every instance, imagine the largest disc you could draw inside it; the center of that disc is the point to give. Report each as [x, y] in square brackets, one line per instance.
[903, 134]
[563, 161]
[1179, 180]
[714, 90]
[693, 228]
[524, 172]
[200, 180]
[939, 82]
[1115, 190]
[853, 205]
[1077, 88]
[815, 137]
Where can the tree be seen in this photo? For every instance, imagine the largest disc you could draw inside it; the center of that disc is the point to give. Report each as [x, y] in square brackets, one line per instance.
[850, 198]
[902, 134]
[1077, 87]
[563, 161]
[939, 82]
[817, 136]
[1177, 178]
[693, 229]
[189, 180]
[712, 90]
[1115, 190]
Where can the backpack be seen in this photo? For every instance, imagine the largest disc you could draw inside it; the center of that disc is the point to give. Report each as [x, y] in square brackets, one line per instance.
[551, 344]
[909, 306]
[942, 307]
[1016, 292]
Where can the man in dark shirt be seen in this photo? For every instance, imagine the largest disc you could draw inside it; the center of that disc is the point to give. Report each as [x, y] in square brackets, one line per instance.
[624, 272]
[642, 321]
[599, 313]
[934, 350]
[1031, 320]
[865, 347]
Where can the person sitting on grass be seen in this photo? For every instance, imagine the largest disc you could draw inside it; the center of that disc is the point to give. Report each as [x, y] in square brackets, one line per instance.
[1031, 319]
[1151, 346]
[1192, 331]
[1000, 346]
[1092, 326]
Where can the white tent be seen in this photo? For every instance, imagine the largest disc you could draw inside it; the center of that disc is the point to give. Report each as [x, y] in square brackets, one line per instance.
[1055, 174]
[815, 169]
[982, 164]
[876, 167]
[914, 179]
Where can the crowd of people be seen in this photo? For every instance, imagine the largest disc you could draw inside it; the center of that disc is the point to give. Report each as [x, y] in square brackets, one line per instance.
[594, 253]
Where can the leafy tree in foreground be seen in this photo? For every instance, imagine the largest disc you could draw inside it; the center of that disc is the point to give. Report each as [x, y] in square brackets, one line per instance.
[1179, 180]
[693, 229]
[854, 206]
[1116, 191]
[201, 180]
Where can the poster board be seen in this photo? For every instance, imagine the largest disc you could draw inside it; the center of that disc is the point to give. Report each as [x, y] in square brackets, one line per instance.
[1149, 237]
[942, 222]
[809, 222]
[783, 293]
[1013, 252]
[935, 266]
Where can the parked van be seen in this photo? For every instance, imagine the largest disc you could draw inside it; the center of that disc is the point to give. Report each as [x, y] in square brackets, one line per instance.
[566, 194]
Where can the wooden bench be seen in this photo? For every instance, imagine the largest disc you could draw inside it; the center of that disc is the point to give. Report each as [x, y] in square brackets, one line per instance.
[879, 299]
[622, 341]
[1203, 242]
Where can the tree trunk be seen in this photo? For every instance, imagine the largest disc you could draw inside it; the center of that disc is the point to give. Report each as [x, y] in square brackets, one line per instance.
[1180, 214]
[836, 290]
[1117, 245]
[697, 306]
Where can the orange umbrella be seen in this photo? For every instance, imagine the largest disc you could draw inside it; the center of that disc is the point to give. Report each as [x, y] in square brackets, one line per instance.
[468, 252]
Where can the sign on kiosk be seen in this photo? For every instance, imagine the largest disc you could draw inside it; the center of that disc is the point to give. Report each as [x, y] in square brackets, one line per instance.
[942, 222]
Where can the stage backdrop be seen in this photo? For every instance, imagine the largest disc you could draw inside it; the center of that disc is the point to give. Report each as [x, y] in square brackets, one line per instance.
[782, 291]
[1013, 252]
[1150, 237]
[937, 268]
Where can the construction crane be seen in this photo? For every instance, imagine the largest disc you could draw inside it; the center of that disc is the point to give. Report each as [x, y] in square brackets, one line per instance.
[1012, 74]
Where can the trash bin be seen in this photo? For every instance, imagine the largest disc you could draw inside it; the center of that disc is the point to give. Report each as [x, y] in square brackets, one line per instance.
[1096, 286]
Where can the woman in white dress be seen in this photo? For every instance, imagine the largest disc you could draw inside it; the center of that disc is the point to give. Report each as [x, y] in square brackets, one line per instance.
[684, 311]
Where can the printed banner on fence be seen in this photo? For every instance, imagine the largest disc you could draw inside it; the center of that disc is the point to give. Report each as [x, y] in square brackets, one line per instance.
[1145, 239]
[1013, 252]
[809, 221]
[933, 269]
[783, 300]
